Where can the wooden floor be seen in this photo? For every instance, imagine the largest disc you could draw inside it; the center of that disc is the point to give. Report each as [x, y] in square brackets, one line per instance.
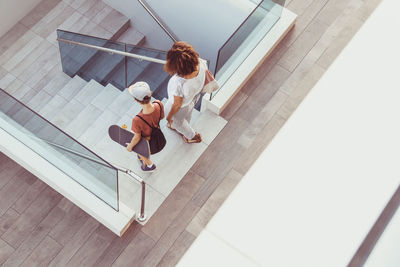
[40, 227]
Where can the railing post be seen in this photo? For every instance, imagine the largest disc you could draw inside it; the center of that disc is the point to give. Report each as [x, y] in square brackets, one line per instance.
[142, 215]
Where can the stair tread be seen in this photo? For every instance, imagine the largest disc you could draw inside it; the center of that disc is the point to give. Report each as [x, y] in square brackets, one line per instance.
[102, 64]
[53, 19]
[131, 36]
[57, 83]
[84, 119]
[74, 24]
[114, 21]
[89, 92]
[99, 12]
[19, 56]
[29, 59]
[122, 103]
[98, 129]
[52, 107]
[38, 12]
[72, 87]
[106, 97]
[68, 113]
[17, 46]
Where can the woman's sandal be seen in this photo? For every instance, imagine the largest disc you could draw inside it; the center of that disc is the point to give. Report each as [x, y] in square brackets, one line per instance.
[173, 129]
[195, 139]
[170, 126]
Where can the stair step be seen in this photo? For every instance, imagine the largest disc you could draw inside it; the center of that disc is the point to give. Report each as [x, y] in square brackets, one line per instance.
[50, 110]
[68, 113]
[98, 129]
[102, 64]
[44, 64]
[86, 5]
[84, 119]
[122, 103]
[136, 67]
[132, 37]
[72, 87]
[106, 97]
[98, 31]
[116, 23]
[98, 12]
[19, 56]
[17, 89]
[40, 11]
[74, 24]
[29, 59]
[57, 83]
[17, 46]
[154, 75]
[89, 92]
[53, 19]
[39, 100]
[161, 91]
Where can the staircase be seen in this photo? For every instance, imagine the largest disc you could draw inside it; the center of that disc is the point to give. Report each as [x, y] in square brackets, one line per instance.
[30, 70]
[101, 106]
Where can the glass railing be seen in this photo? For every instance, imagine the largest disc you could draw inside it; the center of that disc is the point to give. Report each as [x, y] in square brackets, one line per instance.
[246, 37]
[119, 69]
[58, 148]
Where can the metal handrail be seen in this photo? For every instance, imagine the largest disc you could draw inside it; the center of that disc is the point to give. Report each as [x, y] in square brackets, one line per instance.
[113, 51]
[172, 36]
[142, 216]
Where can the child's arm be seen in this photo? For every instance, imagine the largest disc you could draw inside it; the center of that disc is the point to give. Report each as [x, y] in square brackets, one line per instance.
[134, 141]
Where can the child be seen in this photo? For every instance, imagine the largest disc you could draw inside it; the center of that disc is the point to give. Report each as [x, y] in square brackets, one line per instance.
[151, 114]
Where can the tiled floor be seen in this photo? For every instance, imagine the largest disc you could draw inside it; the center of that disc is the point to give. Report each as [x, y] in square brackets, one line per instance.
[44, 228]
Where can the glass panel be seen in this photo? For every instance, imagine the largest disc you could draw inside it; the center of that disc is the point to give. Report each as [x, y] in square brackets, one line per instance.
[150, 72]
[205, 24]
[104, 67]
[90, 63]
[246, 38]
[61, 150]
[156, 36]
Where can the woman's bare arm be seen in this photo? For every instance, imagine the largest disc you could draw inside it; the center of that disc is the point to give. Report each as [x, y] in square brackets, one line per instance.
[175, 108]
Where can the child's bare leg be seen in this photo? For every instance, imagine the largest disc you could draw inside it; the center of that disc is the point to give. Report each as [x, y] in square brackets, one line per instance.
[146, 161]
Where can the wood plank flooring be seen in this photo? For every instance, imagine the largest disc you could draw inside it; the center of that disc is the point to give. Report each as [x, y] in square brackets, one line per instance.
[38, 227]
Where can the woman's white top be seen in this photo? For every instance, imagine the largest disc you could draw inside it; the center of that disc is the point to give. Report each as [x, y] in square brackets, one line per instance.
[187, 88]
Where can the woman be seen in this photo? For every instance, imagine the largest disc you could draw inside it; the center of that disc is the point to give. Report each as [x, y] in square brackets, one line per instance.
[188, 75]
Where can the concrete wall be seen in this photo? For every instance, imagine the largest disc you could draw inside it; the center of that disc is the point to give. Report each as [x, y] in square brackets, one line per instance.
[11, 11]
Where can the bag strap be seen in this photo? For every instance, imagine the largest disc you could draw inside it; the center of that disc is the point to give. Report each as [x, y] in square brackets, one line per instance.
[145, 121]
[160, 113]
[158, 119]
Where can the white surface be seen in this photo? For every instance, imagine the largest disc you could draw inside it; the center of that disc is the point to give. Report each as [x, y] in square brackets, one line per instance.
[315, 192]
[11, 11]
[386, 252]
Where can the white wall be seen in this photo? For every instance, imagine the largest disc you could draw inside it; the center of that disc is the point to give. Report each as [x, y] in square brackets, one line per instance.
[11, 11]
[318, 188]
